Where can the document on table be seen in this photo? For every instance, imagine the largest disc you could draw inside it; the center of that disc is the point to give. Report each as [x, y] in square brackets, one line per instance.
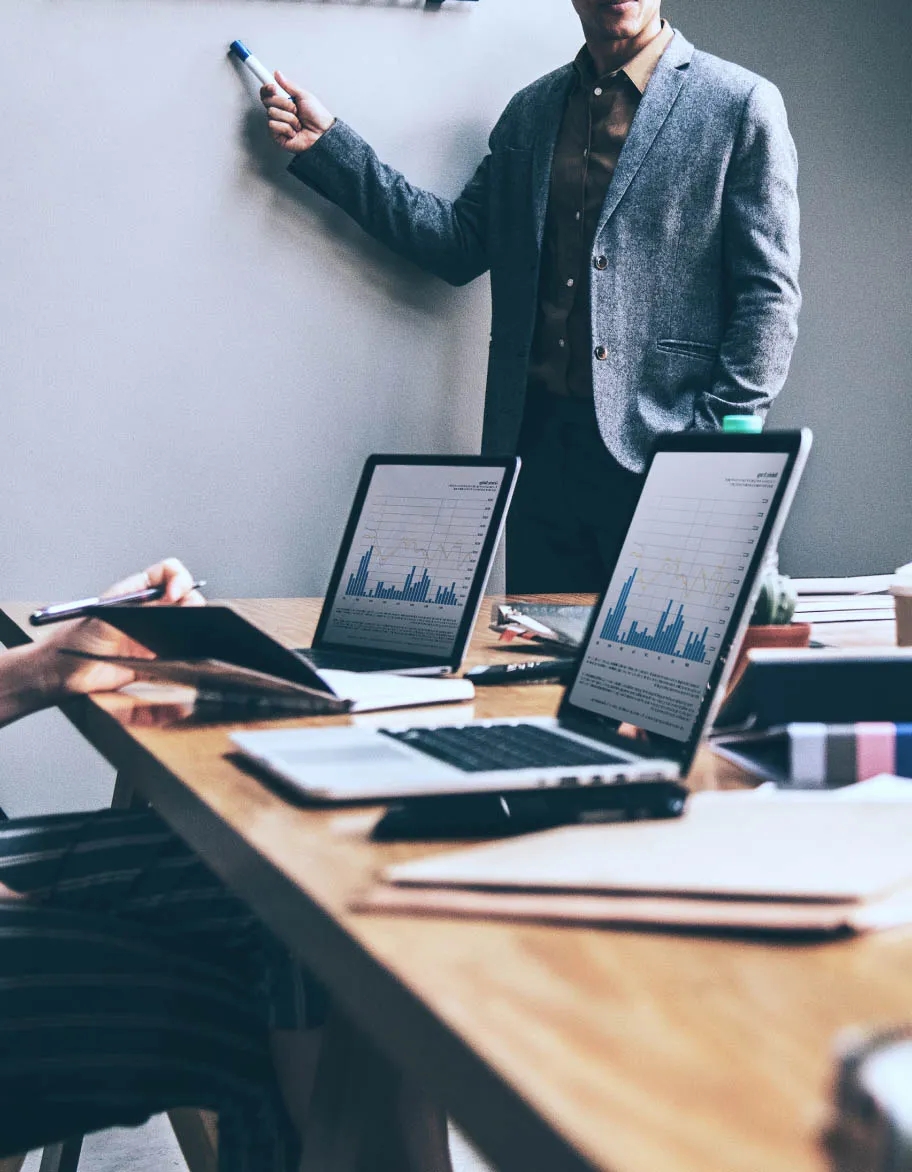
[860, 584]
[371, 691]
[732, 861]
[837, 608]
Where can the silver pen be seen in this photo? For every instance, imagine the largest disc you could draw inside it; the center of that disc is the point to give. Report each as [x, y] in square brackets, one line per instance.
[61, 611]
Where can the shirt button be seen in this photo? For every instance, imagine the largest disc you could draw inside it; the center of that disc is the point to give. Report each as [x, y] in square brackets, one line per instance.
[585, 152]
[569, 282]
[598, 91]
[578, 216]
[601, 262]
[601, 353]
[561, 343]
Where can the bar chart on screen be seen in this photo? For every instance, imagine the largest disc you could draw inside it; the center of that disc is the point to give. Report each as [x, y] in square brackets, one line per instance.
[666, 637]
[420, 549]
[414, 556]
[674, 593]
[687, 557]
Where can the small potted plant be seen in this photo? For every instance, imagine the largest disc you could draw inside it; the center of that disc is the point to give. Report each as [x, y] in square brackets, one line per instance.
[771, 623]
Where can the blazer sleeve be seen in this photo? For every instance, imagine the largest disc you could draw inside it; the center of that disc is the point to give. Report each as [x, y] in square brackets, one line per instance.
[761, 254]
[447, 237]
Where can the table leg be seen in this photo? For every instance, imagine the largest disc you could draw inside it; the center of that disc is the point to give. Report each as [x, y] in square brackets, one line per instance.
[124, 794]
[365, 1115]
[61, 1157]
[197, 1136]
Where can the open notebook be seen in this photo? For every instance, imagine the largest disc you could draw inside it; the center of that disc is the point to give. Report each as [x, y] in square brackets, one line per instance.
[731, 862]
[225, 657]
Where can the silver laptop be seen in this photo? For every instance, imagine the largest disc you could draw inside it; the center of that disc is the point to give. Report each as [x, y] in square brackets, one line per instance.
[413, 564]
[655, 660]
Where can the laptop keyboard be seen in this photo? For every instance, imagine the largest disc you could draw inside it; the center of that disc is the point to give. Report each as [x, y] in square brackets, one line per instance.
[478, 748]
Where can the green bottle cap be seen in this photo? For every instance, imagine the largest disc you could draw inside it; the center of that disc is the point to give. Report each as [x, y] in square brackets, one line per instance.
[742, 424]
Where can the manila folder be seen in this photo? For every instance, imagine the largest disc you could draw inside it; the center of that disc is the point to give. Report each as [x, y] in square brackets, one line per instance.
[727, 863]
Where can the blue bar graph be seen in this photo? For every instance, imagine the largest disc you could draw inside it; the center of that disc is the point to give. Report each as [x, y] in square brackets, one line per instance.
[414, 589]
[664, 639]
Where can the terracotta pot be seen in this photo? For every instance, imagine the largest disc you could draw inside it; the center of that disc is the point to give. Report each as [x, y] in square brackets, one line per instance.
[776, 635]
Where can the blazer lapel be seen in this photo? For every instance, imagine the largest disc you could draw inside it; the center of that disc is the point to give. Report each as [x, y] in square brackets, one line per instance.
[663, 89]
[548, 115]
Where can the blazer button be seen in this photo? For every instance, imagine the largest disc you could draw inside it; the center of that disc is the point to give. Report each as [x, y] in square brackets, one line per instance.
[601, 353]
[601, 262]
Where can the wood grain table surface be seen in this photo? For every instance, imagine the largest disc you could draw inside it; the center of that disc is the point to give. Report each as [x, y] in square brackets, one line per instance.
[553, 1047]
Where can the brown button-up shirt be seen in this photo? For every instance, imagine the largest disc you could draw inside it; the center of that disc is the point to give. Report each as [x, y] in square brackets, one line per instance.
[596, 122]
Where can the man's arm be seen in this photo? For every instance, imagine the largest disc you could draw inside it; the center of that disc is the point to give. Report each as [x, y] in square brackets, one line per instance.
[38, 676]
[446, 237]
[760, 258]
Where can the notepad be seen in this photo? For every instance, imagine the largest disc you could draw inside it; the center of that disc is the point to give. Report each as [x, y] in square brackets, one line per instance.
[730, 862]
[352, 691]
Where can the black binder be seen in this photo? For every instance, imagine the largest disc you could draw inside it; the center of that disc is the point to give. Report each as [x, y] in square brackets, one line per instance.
[833, 687]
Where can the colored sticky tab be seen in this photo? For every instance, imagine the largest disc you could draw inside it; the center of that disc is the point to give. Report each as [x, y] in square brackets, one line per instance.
[841, 765]
[807, 752]
[904, 750]
[875, 749]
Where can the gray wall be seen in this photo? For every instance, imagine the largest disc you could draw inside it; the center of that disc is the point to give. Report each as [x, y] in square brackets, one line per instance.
[197, 353]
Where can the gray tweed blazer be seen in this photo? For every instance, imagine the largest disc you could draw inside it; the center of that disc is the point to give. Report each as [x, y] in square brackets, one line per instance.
[695, 315]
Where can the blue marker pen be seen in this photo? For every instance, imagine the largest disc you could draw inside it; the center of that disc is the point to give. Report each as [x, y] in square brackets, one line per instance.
[256, 67]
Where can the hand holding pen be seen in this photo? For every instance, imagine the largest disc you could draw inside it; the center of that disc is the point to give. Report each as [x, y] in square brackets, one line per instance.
[167, 583]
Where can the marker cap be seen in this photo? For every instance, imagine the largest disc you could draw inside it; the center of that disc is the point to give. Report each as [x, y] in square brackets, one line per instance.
[239, 49]
[742, 424]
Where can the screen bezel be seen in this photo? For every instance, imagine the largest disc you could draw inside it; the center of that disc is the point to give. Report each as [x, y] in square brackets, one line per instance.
[791, 444]
[510, 466]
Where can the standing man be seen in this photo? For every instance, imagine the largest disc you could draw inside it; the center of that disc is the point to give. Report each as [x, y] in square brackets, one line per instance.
[638, 214]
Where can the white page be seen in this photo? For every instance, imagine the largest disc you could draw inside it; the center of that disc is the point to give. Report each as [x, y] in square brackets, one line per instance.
[850, 604]
[860, 584]
[375, 690]
[885, 787]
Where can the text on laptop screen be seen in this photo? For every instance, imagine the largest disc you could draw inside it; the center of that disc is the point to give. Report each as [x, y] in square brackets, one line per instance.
[671, 598]
[413, 557]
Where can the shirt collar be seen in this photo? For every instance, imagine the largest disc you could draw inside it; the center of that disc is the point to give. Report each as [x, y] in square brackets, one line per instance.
[639, 69]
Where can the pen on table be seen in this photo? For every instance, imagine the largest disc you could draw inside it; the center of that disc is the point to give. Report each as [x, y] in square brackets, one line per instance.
[538, 671]
[61, 611]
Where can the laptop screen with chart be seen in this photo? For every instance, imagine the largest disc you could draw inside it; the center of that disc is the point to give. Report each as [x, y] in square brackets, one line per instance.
[659, 639]
[653, 666]
[416, 555]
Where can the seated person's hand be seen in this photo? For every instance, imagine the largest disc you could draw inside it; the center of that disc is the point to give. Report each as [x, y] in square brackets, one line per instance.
[74, 676]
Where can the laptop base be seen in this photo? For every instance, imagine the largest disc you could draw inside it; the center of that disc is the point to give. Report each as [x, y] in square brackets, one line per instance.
[493, 815]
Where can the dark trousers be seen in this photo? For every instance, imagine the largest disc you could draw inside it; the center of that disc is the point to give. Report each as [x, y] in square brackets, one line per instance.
[131, 982]
[572, 505]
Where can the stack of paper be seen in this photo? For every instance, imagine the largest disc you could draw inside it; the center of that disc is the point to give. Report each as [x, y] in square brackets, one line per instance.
[863, 598]
[731, 862]
[860, 584]
[843, 608]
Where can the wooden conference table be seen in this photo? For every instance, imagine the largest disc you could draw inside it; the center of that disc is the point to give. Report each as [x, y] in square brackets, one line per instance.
[556, 1049]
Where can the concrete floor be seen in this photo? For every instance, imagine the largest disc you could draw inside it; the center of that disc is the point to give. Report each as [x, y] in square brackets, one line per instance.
[153, 1148]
